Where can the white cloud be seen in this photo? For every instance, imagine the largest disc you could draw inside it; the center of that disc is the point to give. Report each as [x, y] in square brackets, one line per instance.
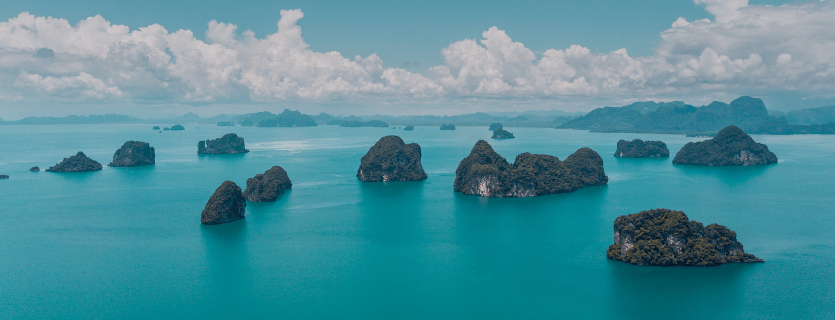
[745, 47]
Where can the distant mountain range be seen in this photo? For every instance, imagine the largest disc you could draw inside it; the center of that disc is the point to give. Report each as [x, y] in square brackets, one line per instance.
[677, 117]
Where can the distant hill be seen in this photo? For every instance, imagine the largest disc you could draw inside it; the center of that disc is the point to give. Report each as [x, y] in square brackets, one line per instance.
[91, 119]
[285, 119]
[673, 117]
[812, 116]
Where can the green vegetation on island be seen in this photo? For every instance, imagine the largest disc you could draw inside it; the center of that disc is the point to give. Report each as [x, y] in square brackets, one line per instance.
[730, 147]
[485, 173]
[665, 237]
[642, 149]
[391, 159]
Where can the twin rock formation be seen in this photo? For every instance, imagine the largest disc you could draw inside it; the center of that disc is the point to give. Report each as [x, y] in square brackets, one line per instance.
[485, 173]
[664, 237]
[228, 203]
[730, 147]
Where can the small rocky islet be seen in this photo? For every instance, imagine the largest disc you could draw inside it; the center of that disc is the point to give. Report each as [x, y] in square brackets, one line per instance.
[730, 147]
[226, 204]
[447, 127]
[230, 143]
[4, 176]
[133, 154]
[638, 148]
[265, 187]
[485, 173]
[502, 134]
[409, 128]
[664, 237]
[494, 126]
[35, 169]
[176, 127]
[391, 159]
[77, 163]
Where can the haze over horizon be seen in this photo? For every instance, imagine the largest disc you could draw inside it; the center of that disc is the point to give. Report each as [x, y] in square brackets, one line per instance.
[537, 56]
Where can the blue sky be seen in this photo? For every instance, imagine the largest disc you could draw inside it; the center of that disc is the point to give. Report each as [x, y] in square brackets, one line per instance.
[413, 56]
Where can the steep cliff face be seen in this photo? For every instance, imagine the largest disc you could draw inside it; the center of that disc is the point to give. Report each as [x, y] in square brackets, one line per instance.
[485, 173]
[642, 149]
[502, 134]
[665, 237]
[267, 186]
[132, 154]
[730, 147]
[391, 159]
[230, 143]
[77, 163]
[227, 204]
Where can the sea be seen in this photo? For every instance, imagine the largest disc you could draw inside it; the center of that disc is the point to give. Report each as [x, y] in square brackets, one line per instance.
[127, 243]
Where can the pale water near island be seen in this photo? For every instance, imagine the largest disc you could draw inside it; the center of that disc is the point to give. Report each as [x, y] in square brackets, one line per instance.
[127, 243]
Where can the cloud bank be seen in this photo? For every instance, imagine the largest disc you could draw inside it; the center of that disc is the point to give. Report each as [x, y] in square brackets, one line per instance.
[744, 48]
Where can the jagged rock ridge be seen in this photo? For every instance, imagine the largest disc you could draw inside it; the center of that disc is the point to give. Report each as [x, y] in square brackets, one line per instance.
[230, 143]
[391, 159]
[485, 173]
[267, 186]
[665, 237]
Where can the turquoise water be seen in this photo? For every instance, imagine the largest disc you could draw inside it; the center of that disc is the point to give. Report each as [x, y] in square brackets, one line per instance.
[128, 243]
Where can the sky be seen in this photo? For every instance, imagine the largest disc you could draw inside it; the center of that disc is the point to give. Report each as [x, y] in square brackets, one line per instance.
[408, 57]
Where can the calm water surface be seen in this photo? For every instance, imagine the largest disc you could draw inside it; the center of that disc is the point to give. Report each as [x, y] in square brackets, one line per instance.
[127, 243]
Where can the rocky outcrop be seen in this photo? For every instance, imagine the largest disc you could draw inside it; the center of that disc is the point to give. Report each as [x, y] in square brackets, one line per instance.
[642, 149]
[409, 128]
[447, 127]
[502, 134]
[730, 147]
[485, 173]
[665, 237]
[495, 125]
[226, 124]
[391, 159]
[133, 154]
[227, 204]
[35, 169]
[77, 163]
[3, 176]
[230, 143]
[156, 128]
[177, 127]
[267, 186]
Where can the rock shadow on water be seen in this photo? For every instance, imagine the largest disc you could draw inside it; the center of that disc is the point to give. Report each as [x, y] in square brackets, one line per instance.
[392, 210]
[641, 292]
[732, 174]
[227, 260]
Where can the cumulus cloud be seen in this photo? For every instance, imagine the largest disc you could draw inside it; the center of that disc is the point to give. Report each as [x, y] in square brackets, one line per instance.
[744, 47]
